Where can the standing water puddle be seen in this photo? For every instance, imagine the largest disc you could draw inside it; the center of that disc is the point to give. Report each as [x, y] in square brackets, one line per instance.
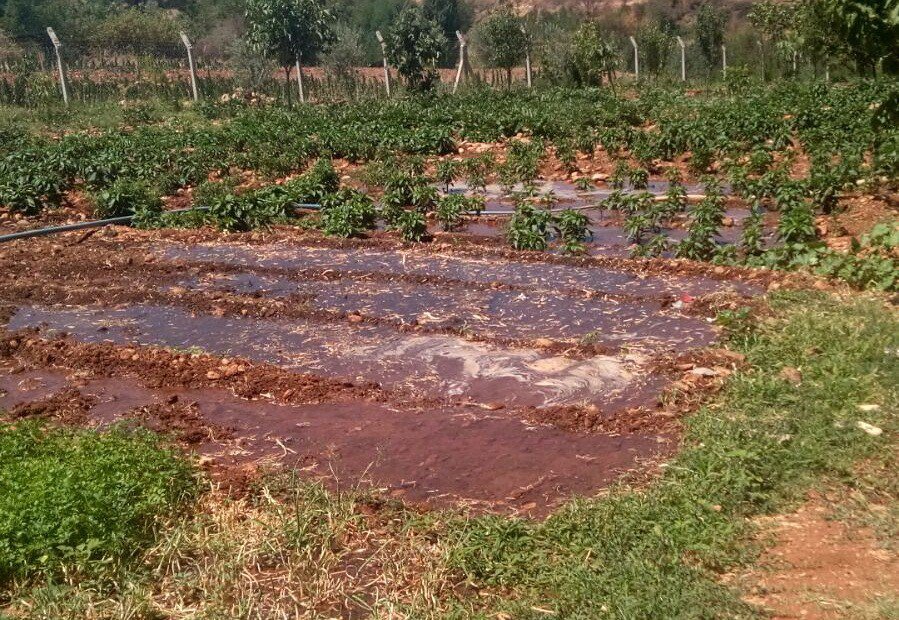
[437, 365]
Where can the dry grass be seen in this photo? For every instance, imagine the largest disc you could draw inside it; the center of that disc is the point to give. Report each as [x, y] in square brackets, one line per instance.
[299, 552]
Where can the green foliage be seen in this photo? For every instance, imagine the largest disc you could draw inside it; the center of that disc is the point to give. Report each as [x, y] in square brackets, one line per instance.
[710, 24]
[871, 262]
[655, 44]
[500, 40]
[453, 208]
[529, 228]
[411, 225]
[522, 162]
[573, 228]
[348, 213]
[705, 220]
[414, 45]
[289, 31]
[77, 500]
[447, 172]
[753, 227]
[125, 197]
[865, 32]
[592, 57]
[452, 16]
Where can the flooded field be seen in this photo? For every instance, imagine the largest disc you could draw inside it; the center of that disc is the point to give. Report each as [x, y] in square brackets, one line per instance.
[501, 382]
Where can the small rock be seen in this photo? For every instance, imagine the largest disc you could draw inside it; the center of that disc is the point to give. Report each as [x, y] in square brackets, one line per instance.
[493, 406]
[543, 343]
[868, 408]
[874, 431]
[171, 400]
[213, 375]
[354, 318]
[727, 222]
[704, 372]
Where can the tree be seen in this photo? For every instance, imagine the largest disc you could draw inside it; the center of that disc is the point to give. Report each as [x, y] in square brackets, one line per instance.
[501, 42]
[451, 16]
[414, 45]
[289, 31]
[866, 31]
[655, 47]
[593, 55]
[149, 31]
[710, 23]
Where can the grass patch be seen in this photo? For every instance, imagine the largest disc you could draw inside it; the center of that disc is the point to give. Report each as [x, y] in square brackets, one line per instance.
[79, 501]
[658, 553]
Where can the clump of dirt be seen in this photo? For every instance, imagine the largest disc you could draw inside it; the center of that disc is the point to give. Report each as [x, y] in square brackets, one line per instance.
[182, 420]
[68, 406]
[162, 367]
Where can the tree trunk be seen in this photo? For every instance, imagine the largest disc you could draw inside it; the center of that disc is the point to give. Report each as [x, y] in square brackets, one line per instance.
[287, 85]
[509, 78]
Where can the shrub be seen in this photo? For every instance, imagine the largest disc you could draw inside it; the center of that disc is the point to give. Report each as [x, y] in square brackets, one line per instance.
[453, 207]
[572, 227]
[528, 228]
[125, 197]
[74, 498]
[412, 226]
[347, 214]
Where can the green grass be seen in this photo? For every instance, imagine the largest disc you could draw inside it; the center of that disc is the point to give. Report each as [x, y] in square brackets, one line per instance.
[78, 500]
[658, 553]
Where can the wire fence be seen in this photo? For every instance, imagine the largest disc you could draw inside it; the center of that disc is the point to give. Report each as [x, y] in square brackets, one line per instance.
[179, 70]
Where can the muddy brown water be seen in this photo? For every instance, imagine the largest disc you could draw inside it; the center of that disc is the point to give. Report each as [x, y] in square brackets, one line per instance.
[438, 365]
[490, 313]
[457, 456]
[472, 447]
[358, 262]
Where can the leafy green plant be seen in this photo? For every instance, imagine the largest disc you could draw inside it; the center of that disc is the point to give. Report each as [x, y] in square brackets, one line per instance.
[76, 500]
[522, 162]
[529, 228]
[412, 226]
[639, 178]
[348, 213]
[453, 207]
[414, 45]
[447, 171]
[125, 197]
[705, 220]
[572, 227]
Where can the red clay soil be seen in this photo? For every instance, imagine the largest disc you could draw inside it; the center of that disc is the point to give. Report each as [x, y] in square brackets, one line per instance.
[822, 569]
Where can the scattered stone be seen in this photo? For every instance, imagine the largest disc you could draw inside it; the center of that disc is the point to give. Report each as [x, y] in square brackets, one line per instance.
[869, 408]
[874, 431]
[704, 372]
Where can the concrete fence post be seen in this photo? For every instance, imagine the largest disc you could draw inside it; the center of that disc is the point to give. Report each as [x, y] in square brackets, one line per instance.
[683, 59]
[190, 63]
[636, 58]
[62, 70]
[384, 57]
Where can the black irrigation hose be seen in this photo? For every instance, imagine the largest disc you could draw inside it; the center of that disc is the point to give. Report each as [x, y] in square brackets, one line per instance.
[125, 219]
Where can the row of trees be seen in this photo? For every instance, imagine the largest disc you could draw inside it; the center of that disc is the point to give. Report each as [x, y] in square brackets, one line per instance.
[421, 36]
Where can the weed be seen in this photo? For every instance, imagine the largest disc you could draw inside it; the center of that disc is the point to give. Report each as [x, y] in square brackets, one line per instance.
[77, 500]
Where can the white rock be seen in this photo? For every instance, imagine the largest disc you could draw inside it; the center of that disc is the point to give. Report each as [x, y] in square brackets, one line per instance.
[867, 408]
[872, 430]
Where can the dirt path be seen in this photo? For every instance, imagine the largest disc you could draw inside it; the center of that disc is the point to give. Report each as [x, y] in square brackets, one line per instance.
[822, 569]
